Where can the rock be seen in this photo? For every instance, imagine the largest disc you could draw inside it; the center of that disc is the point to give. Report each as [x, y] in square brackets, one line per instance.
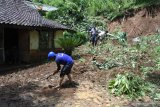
[107, 105]
[136, 39]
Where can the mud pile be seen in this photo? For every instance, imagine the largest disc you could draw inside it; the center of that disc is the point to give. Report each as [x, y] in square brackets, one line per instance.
[143, 22]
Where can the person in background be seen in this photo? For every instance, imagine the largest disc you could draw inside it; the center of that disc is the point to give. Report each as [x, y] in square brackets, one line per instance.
[94, 34]
[66, 61]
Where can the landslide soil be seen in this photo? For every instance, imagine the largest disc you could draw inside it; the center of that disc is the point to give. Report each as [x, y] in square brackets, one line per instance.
[138, 22]
[30, 88]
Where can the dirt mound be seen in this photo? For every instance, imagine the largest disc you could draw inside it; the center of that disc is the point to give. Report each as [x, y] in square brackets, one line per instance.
[144, 22]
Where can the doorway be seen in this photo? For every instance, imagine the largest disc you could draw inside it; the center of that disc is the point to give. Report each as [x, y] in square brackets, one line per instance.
[11, 46]
[1, 45]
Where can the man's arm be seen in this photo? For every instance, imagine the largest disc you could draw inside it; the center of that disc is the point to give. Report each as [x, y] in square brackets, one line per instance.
[55, 71]
[58, 68]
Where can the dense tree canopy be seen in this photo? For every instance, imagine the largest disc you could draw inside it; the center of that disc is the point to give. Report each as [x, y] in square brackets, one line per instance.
[81, 13]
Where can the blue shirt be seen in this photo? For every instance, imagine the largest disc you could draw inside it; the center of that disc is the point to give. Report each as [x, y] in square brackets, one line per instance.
[63, 59]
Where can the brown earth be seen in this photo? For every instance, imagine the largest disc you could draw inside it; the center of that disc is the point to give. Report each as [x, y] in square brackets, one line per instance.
[142, 22]
[30, 88]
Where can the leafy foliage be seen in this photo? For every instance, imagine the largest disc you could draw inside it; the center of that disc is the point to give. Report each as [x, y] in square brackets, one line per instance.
[71, 40]
[107, 64]
[128, 84]
[79, 14]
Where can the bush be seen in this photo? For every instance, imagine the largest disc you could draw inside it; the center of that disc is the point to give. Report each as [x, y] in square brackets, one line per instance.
[70, 40]
[108, 64]
[128, 84]
[79, 36]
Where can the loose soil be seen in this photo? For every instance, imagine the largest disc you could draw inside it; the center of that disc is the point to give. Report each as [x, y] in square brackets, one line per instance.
[142, 22]
[30, 88]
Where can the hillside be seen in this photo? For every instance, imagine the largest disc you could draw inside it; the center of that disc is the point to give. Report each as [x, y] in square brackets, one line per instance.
[144, 21]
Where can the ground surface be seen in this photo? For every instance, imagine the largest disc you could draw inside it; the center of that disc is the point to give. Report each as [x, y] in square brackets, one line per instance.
[30, 88]
[142, 22]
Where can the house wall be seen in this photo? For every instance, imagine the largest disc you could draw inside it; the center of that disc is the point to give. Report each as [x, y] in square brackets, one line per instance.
[57, 34]
[51, 40]
[24, 45]
[29, 41]
[40, 44]
[29, 44]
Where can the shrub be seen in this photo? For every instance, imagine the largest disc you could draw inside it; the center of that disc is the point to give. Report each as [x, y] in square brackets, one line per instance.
[70, 40]
[128, 84]
[108, 64]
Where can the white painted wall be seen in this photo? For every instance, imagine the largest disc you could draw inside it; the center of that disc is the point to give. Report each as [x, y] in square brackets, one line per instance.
[58, 34]
[34, 40]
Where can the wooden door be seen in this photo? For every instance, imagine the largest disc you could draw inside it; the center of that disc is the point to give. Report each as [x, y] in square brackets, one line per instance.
[2, 57]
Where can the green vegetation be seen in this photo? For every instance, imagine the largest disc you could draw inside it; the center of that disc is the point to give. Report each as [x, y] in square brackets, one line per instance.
[80, 14]
[129, 84]
[139, 62]
[71, 40]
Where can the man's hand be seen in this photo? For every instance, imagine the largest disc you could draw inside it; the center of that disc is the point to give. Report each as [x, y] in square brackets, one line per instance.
[55, 72]
[49, 76]
[57, 87]
[52, 74]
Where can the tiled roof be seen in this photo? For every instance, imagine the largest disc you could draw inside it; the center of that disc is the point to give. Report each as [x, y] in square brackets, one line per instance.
[16, 12]
[48, 23]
